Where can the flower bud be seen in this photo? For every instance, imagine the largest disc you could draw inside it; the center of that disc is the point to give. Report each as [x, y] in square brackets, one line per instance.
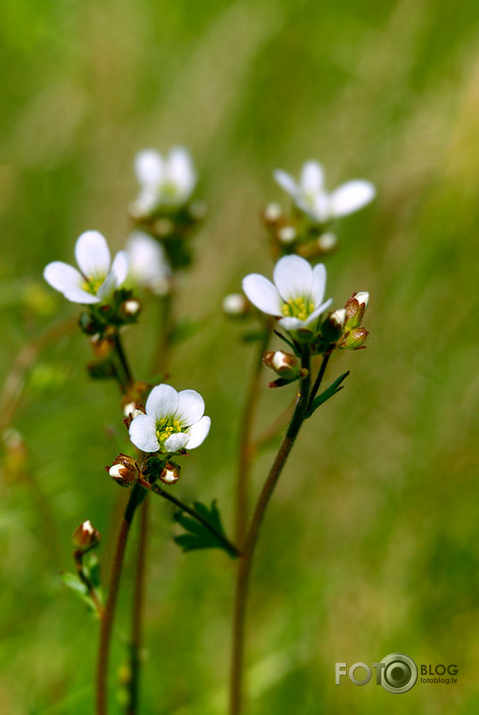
[130, 308]
[124, 470]
[272, 213]
[355, 339]
[284, 364]
[327, 242]
[85, 536]
[332, 328]
[235, 305]
[355, 308]
[170, 473]
[163, 227]
[102, 345]
[131, 410]
[287, 234]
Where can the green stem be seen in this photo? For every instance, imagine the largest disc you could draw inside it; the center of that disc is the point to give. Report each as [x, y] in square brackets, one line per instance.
[230, 547]
[319, 378]
[136, 497]
[246, 561]
[127, 380]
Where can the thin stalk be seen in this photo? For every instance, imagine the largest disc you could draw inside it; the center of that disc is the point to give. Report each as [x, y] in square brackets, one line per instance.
[319, 378]
[127, 373]
[246, 447]
[156, 489]
[136, 497]
[246, 561]
[137, 622]
[82, 575]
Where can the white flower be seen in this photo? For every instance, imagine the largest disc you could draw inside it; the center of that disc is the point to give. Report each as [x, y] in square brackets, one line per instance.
[97, 278]
[173, 421]
[148, 264]
[296, 295]
[165, 181]
[310, 195]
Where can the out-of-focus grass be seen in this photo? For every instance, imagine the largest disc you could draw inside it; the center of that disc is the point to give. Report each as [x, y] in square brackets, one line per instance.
[371, 544]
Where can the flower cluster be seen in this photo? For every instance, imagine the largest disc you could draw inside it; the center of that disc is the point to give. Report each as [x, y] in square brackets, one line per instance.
[305, 230]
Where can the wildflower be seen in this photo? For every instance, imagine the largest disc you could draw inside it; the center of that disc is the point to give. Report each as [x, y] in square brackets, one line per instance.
[296, 294]
[165, 182]
[310, 195]
[85, 536]
[173, 421]
[148, 264]
[97, 278]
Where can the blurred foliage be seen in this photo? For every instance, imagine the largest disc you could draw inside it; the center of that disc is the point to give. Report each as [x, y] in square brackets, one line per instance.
[371, 544]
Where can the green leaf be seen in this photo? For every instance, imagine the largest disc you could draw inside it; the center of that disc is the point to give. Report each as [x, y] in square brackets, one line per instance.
[327, 394]
[197, 535]
[93, 571]
[73, 583]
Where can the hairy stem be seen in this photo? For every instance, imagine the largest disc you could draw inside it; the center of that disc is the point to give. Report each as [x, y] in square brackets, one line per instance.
[136, 497]
[246, 561]
[319, 378]
[246, 448]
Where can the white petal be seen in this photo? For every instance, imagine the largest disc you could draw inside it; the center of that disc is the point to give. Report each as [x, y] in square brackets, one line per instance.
[316, 313]
[147, 200]
[92, 254]
[293, 277]
[312, 177]
[198, 432]
[318, 208]
[286, 182]
[77, 295]
[319, 283]
[291, 323]
[162, 402]
[351, 196]
[143, 433]
[149, 167]
[176, 441]
[148, 264]
[180, 171]
[62, 276]
[362, 297]
[191, 407]
[120, 268]
[262, 293]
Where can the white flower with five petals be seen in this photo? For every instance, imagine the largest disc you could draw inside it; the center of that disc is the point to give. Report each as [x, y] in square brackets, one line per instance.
[148, 264]
[173, 421]
[97, 278]
[166, 182]
[310, 195]
[295, 298]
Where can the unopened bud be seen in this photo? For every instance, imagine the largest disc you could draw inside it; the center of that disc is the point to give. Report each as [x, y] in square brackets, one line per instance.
[131, 410]
[235, 305]
[287, 234]
[130, 308]
[327, 242]
[285, 364]
[332, 328]
[123, 470]
[170, 473]
[355, 339]
[85, 536]
[355, 308]
[272, 213]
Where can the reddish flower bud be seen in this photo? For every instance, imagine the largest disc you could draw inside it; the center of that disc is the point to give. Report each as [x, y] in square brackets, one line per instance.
[124, 470]
[170, 473]
[85, 536]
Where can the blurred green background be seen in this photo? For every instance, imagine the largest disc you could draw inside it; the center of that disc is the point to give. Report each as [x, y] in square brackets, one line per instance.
[371, 545]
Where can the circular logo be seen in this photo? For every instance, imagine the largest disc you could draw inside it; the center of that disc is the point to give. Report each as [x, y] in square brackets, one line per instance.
[399, 673]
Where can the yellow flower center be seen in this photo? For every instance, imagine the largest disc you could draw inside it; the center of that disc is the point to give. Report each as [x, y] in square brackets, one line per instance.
[300, 308]
[165, 428]
[92, 285]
